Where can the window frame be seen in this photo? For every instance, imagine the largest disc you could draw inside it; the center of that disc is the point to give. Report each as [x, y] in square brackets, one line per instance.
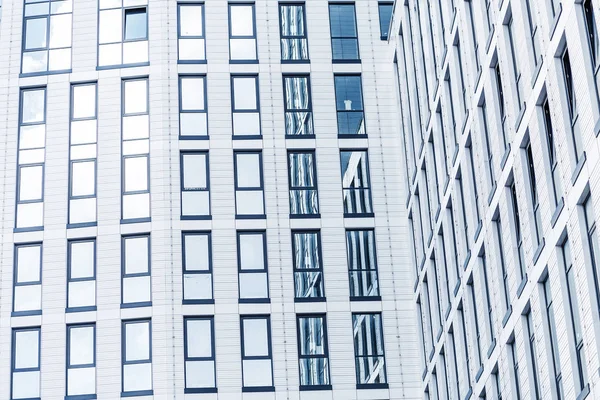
[356, 60]
[319, 268]
[26, 283]
[241, 136]
[211, 358]
[363, 188]
[250, 37]
[124, 362]
[206, 154]
[125, 275]
[208, 271]
[325, 354]
[70, 243]
[375, 270]
[241, 271]
[308, 110]
[302, 38]
[204, 110]
[193, 37]
[80, 366]
[315, 187]
[381, 385]
[260, 188]
[13, 369]
[269, 356]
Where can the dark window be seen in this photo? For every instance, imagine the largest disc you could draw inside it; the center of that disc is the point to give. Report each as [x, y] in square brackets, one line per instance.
[517, 227]
[362, 263]
[533, 354]
[344, 34]
[136, 24]
[349, 105]
[356, 187]
[368, 349]
[552, 333]
[385, 17]
[592, 30]
[537, 213]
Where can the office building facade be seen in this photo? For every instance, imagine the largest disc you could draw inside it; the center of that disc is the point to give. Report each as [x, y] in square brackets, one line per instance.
[202, 200]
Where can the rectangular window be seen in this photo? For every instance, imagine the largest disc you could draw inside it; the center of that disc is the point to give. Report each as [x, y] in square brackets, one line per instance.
[533, 355]
[385, 17]
[193, 121]
[592, 31]
[191, 47]
[197, 268]
[297, 106]
[27, 291]
[514, 361]
[489, 305]
[304, 198]
[292, 25]
[30, 160]
[81, 275]
[257, 356]
[245, 106]
[362, 263]
[199, 349]
[135, 150]
[81, 360]
[533, 193]
[313, 351]
[47, 33]
[195, 185]
[369, 352]
[349, 105]
[308, 266]
[83, 148]
[534, 30]
[592, 242]
[501, 105]
[463, 223]
[553, 338]
[489, 151]
[356, 188]
[517, 227]
[515, 64]
[576, 143]
[552, 153]
[242, 33]
[122, 33]
[580, 375]
[249, 185]
[252, 266]
[478, 341]
[136, 358]
[135, 262]
[344, 33]
[26, 375]
[473, 178]
[500, 257]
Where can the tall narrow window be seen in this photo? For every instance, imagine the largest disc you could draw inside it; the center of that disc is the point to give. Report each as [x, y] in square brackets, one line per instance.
[257, 356]
[362, 263]
[31, 160]
[489, 151]
[349, 105]
[136, 290]
[192, 107]
[344, 33]
[122, 33]
[514, 361]
[533, 355]
[313, 351]
[368, 350]
[502, 271]
[195, 185]
[553, 338]
[242, 33]
[489, 305]
[592, 242]
[294, 41]
[533, 193]
[249, 185]
[135, 151]
[83, 152]
[81, 360]
[534, 32]
[515, 64]
[552, 154]
[385, 17]
[26, 374]
[355, 183]
[199, 353]
[27, 278]
[245, 107]
[191, 47]
[463, 223]
[501, 105]
[308, 266]
[252, 266]
[136, 358]
[297, 106]
[197, 268]
[517, 227]
[304, 199]
[81, 275]
[580, 375]
[576, 143]
[474, 317]
[592, 31]
[47, 37]
[473, 179]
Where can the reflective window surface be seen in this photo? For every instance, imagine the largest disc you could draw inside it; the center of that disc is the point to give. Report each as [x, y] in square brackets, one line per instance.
[257, 365]
[136, 270]
[298, 106]
[308, 266]
[252, 266]
[344, 35]
[349, 105]
[122, 33]
[197, 267]
[195, 189]
[303, 183]
[249, 197]
[137, 357]
[385, 17]
[81, 286]
[245, 106]
[313, 350]
[192, 108]
[294, 43]
[191, 36]
[362, 263]
[242, 34]
[27, 295]
[199, 346]
[47, 33]
[81, 360]
[26, 363]
[368, 349]
[355, 182]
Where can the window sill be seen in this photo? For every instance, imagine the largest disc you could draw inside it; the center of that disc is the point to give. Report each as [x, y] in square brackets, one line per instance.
[119, 66]
[492, 193]
[491, 348]
[32, 229]
[479, 373]
[25, 313]
[135, 220]
[194, 302]
[505, 156]
[431, 354]
[363, 215]
[196, 217]
[357, 61]
[351, 136]
[584, 393]
[538, 251]
[478, 231]
[32, 74]
[82, 225]
[578, 168]
[307, 61]
[194, 137]
[457, 287]
[557, 211]
[315, 387]
[372, 386]
[138, 393]
[191, 62]
[257, 389]
[469, 393]
[79, 309]
[243, 61]
[467, 259]
[522, 286]
[254, 301]
[136, 305]
[200, 390]
[365, 298]
[301, 136]
[310, 299]
[257, 216]
[305, 216]
[81, 397]
[507, 316]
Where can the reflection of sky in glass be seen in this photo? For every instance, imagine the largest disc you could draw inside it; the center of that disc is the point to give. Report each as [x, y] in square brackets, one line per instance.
[241, 20]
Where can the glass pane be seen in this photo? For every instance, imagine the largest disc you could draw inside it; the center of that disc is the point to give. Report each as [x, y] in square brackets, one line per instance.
[136, 24]
[370, 370]
[363, 284]
[136, 174]
[292, 20]
[348, 93]
[136, 96]
[199, 374]
[252, 251]
[136, 290]
[306, 250]
[27, 349]
[84, 178]
[242, 49]
[60, 31]
[248, 170]
[342, 20]
[312, 339]
[193, 124]
[192, 93]
[301, 170]
[30, 183]
[26, 385]
[33, 106]
[31, 214]
[82, 259]
[296, 90]
[242, 22]
[82, 210]
[197, 286]
[351, 123]
[81, 381]
[35, 33]
[196, 248]
[385, 16]
[28, 263]
[137, 377]
[308, 284]
[294, 49]
[191, 20]
[59, 59]
[298, 123]
[194, 171]
[191, 49]
[314, 371]
[137, 341]
[253, 286]
[249, 202]
[244, 93]
[368, 334]
[246, 124]
[136, 255]
[84, 101]
[82, 294]
[135, 52]
[257, 373]
[195, 203]
[81, 350]
[256, 337]
[199, 338]
[355, 171]
[110, 30]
